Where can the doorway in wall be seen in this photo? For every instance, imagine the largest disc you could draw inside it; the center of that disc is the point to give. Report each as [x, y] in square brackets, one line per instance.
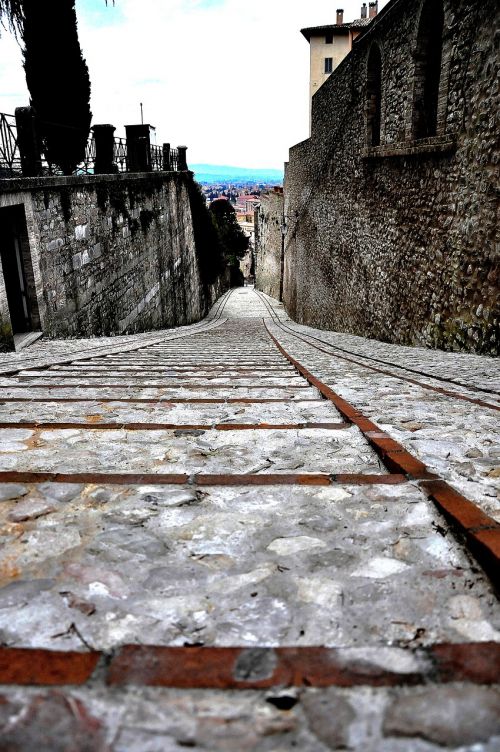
[18, 275]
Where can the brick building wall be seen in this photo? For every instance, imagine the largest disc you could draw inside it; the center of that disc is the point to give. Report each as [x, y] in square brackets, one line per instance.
[392, 228]
[268, 244]
[108, 254]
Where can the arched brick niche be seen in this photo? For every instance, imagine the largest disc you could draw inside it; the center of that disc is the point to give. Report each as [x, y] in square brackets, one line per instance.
[427, 115]
[374, 96]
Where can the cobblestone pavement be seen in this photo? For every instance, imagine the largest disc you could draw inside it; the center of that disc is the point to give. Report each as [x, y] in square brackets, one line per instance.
[211, 540]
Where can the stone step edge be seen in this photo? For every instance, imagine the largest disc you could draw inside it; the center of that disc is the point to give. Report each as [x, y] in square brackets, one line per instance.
[479, 531]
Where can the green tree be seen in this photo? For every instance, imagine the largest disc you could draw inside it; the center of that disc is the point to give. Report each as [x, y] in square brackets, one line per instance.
[234, 241]
[206, 235]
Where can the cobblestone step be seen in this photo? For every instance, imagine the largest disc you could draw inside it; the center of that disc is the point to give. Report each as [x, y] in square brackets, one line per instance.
[237, 489]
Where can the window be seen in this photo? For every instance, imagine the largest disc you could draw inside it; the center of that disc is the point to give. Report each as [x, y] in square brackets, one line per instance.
[428, 55]
[328, 64]
[329, 38]
[374, 95]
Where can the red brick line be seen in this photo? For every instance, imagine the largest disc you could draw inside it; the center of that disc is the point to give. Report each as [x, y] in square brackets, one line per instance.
[481, 531]
[247, 668]
[440, 390]
[207, 354]
[144, 367]
[163, 402]
[55, 426]
[203, 358]
[159, 479]
[45, 667]
[199, 363]
[393, 454]
[77, 374]
[146, 385]
[125, 349]
[415, 382]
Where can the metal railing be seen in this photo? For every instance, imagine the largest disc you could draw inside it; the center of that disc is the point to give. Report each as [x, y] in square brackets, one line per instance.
[10, 156]
[120, 154]
[174, 160]
[156, 157]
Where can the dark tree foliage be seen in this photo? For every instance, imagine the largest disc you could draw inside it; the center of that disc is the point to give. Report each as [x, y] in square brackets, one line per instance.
[56, 74]
[11, 11]
[209, 248]
[234, 241]
[58, 79]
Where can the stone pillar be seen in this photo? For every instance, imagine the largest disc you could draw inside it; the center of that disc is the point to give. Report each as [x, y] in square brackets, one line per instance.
[182, 161]
[104, 149]
[139, 148]
[28, 142]
[166, 158]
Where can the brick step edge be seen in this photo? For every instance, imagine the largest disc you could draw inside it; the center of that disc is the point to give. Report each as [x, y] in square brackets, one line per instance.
[254, 668]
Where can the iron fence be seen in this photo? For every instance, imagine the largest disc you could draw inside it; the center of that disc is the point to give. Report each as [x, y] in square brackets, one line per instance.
[174, 160]
[156, 157]
[10, 156]
[120, 154]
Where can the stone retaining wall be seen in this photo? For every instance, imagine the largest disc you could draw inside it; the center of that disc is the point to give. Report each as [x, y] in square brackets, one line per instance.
[396, 240]
[268, 245]
[109, 254]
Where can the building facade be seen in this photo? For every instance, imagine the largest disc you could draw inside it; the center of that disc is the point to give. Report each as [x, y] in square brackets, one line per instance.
[330, 44]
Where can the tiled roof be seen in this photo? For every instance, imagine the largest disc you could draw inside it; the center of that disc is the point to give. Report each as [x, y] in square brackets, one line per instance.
[311, 31]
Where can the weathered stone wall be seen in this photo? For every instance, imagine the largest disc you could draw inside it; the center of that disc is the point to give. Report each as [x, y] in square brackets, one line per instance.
[110, 254]
[397, 241]
[269, 240]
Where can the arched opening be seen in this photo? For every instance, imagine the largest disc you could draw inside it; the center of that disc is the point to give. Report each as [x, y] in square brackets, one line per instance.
[428, 56]
[374, 95]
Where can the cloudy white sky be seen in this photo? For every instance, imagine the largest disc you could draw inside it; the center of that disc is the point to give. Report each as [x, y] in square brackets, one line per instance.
[229, 78]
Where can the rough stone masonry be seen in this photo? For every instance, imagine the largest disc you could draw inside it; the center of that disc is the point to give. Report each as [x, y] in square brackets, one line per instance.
[392, 223]
[107, 254]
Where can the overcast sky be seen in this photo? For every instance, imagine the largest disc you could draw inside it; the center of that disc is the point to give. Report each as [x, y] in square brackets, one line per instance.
[228, 78]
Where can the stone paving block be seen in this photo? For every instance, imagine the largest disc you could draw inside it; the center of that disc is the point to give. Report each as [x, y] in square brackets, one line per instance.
[93, 412]
[456, 439]
[147, 719]
[226, 567]
[308, 450]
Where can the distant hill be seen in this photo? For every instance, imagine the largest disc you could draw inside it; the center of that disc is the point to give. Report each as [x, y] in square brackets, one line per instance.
[205, 173]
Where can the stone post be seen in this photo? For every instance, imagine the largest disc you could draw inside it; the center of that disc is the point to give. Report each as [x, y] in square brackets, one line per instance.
[104, 149]
[28, 142]
[139, 148]
[166, 158]
[182, 161]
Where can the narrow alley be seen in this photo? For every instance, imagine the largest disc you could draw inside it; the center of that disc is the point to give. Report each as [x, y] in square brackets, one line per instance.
[272, 536]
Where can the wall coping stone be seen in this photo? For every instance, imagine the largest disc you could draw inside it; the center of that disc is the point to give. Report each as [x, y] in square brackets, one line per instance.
[19, 185]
